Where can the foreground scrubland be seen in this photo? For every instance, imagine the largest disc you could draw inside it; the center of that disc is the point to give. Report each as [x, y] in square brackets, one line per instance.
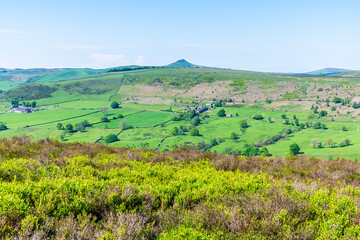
[84, 191]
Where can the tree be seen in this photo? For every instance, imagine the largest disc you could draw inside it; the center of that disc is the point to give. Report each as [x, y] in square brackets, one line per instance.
[175, 131]
[195, 121]
[258, 117]
[59, 126]
[322, 113]
[33, 104]
[250, 151]
[120, 116]
[79, 127]
[69, 128]
[221, 113]
[114, 105]
[124, 124]
[15, 102]
[294, 149]
[85, 123]
[190, 114]
[317, 125]
[337, 100]
[243, 123]
[234, 136]
[264, 152]
[3, 127]
[111, 138]
[194, 132]
[344, 128]
[104, 119]
[315, 143]
[104, 110]
[344, 143]
[296, 122]
[283, 116]
[329, 142]
[213, 142]
[333, 108]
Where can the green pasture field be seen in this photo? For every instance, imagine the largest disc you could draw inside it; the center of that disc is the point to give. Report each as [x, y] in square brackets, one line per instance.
[19, 120]
[152, 107]
[86, 104]
[140, 119]
[144, 134]
[94, 118]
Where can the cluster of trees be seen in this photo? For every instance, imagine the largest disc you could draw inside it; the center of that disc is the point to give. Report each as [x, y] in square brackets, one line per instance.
[319, 125]
[106, 119]
[316, 143]
[222, 102]
[183, 116]
[341, 100]
[273, 139]
[180, 131]
[203, 147]
[248, 151]
[15, 101]
[3, 126]
[316, 125]
[69, 128]
[125, 69]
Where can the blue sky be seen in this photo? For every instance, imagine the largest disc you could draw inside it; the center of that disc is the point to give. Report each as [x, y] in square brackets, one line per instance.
[275, 36]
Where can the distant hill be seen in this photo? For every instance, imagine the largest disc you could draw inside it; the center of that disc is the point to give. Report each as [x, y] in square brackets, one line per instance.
[349, 74]
[182, 63]
[328, 71]
[65, 75]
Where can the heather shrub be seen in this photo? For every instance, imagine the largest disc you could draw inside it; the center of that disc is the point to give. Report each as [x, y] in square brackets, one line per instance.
[62, 190]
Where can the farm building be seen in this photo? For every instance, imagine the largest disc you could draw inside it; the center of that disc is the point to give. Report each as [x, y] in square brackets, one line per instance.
[21, 109]
[229, 115]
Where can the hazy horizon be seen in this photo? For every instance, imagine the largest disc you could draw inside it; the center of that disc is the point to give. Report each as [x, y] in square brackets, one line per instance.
[276, 36]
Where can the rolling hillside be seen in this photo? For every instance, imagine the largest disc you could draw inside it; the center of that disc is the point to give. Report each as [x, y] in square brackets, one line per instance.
[350, 74]
[328, 71]
[65, 75]
[188, 83]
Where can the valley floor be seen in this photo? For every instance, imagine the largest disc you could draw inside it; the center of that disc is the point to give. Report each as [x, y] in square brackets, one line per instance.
[151, 126]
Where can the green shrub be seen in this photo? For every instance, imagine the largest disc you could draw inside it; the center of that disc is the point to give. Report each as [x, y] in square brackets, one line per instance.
[111, 138]
[258, 117]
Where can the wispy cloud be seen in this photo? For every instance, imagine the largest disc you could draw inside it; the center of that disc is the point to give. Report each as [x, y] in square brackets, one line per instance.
[140, 60]
[107, 57]
[77, 47]
[199, 45]
[84, 47]
[9, 32]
